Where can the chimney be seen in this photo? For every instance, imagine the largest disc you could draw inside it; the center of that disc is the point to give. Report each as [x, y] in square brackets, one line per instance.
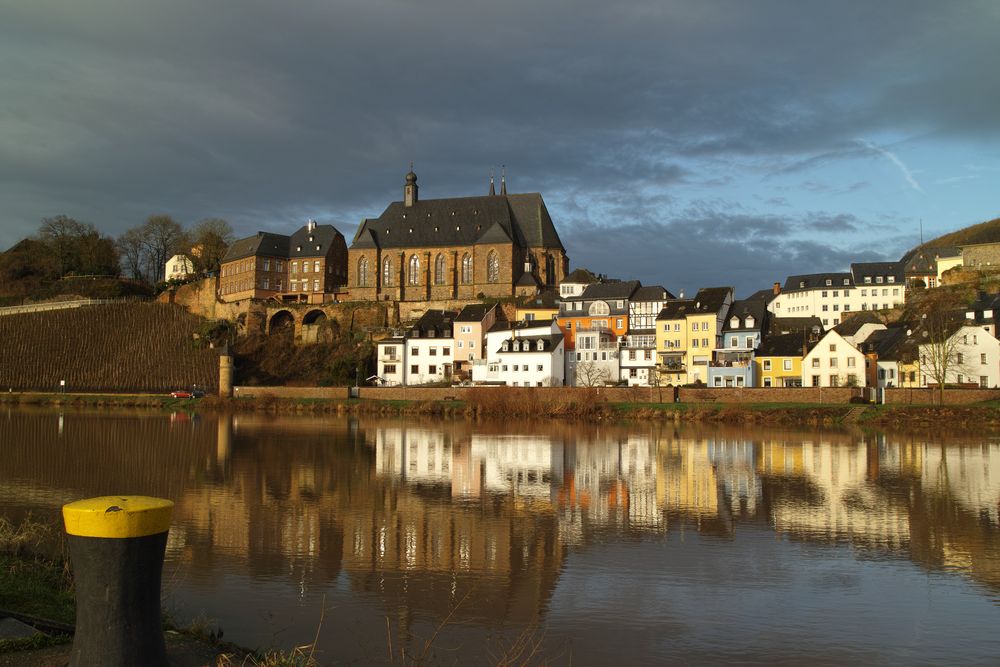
[311, 225]
[776, 289]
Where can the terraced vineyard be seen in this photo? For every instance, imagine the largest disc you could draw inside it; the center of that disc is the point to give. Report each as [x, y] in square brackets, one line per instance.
[122, 347]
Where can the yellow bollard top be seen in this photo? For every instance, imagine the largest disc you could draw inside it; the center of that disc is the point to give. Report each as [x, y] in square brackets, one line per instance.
[118, 516]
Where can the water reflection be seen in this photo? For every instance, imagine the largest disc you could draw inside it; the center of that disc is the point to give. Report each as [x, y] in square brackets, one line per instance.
[409, 519]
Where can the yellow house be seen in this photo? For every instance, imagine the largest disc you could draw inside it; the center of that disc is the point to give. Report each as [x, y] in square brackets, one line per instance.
[544, 306]
[672, 341]
[778, 360]
[688, 331]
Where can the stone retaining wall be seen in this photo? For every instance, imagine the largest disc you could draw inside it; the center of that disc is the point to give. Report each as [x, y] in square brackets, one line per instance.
[933, 397]
[329, 393]
[837, 395]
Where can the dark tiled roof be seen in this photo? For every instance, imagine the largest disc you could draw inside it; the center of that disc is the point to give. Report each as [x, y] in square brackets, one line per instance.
[437, 321]
[816, 281]
[548, 298]
[323, 236]
[784, 345]
[262, 244]
[652, 293]
[617, 290]
[528, 279]
[711, 299]
[746, 308]
[855, 321]
[549, 343]
[475, 312]
[873, 269]
[765, 295]
[461, 221]
[580, 276]
[676, 309]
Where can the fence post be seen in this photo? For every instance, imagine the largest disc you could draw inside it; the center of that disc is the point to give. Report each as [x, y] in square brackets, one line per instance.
[116, 546]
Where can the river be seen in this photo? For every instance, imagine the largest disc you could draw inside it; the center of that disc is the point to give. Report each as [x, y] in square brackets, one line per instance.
[568, 543]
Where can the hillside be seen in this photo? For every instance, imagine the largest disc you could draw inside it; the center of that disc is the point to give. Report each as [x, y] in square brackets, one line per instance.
[984, 232]
[130, 347]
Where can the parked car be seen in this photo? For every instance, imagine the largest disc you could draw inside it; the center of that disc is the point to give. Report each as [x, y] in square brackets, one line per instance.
[184, 393]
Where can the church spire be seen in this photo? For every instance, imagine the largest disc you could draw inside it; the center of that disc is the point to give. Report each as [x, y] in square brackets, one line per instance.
[410, 189]
[493, 190]
[503, 180]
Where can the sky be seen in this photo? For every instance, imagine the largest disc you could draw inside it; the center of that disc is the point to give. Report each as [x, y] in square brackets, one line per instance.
[688, 144]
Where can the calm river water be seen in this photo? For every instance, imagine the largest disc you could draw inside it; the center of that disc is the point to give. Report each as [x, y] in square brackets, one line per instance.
[586, 544]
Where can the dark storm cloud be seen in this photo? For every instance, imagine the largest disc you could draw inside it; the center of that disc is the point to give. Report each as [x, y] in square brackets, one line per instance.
[267, 113]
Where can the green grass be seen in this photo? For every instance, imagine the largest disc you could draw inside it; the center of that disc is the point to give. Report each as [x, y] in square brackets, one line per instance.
[36, 587]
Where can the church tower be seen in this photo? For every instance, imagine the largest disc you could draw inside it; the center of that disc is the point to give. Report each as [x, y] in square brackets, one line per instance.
[410, 189]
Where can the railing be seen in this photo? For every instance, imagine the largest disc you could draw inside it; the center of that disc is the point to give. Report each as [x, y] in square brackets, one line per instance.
[55, 305]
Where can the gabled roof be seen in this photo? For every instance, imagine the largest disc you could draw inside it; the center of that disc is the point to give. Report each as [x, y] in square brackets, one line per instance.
[323, 237]
[809, 281]
[582, 276]
[765, 295]
[881, 341]
[743, 309]
[676, 309]
[855, 321]
[438, 322]
[711, 299]
[262, 244]
[616, 290]
[528, 279]
[547, 298]
[461, 221]
[785, 345]
[549, 343]
[652, 293]
[475, 312]
[861, 270]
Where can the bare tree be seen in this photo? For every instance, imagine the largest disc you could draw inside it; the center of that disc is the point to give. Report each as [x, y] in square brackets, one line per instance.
[162, 237]
[209, 240]
[132, 250]
[589, 374]
[940, 347]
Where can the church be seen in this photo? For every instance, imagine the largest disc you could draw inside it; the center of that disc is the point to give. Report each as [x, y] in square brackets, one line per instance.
[462, 248]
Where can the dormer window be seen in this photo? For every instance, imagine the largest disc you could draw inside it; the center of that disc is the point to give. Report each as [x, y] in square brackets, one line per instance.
[802, 284]
[868, 280]
[987, 313]
[317, 246]
[878, 279]
[828, 282]
[847, 281]
[891, 279]
[541, 345]
[298, 248]
[311, 239]
[749, 321]
[734, 322]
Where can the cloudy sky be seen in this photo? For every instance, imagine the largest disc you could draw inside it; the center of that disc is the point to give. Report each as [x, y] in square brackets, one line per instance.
[689, 143]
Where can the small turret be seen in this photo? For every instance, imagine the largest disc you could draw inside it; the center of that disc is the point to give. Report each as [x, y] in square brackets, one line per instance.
[410, 189]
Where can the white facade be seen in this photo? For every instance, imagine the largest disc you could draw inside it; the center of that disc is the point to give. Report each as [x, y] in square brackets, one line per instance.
[528, 356]
[638, 361]
[594, 362]
[413, 361]
[833, 362]
[838, 295]
[178, 267]
[975, 358]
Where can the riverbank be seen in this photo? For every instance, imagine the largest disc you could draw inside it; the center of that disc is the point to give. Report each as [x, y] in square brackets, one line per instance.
[525, 403]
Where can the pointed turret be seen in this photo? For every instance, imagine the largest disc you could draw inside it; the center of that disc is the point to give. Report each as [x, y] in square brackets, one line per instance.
[493, 189]
[503, 181]
[410, 189]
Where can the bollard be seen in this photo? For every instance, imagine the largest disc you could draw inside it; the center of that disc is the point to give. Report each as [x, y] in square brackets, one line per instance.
[116, 547]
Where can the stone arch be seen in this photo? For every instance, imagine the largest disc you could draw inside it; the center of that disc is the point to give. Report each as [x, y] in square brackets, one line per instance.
[280, 321]
[314, 317]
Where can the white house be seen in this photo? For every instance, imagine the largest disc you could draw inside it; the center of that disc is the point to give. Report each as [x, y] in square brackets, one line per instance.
[522, 354]
[422, 355]
[970, 356]
[594, 362]
[178, 267]
[833, 362]
[868, 286]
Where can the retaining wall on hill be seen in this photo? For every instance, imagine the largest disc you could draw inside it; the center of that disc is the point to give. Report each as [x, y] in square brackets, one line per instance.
[329, 393]
[932, 396]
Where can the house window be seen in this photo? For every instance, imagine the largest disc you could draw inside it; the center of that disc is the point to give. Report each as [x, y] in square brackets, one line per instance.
[315, 286]
[618, 323]
[815, 380]
[787, 364]
[316, 267]
[414, 270]
[432, 369]
[389, 369]
[305, 267]
[363, 272]
[433, 351]
[266, 283]
[295, 267]
[767, 382]
[767, 364]
[704, 326]
[982, 359]
[815, 362]
[833, 362]
[445, 351]
[415, 351]
[984, 381]
[540, 368]
[961, 360]
[414, 369]
[851, 361]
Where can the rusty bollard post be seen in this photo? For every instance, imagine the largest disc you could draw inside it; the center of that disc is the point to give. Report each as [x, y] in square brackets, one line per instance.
[116, 547]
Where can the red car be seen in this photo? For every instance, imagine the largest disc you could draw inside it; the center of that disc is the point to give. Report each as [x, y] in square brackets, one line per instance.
[182, 393]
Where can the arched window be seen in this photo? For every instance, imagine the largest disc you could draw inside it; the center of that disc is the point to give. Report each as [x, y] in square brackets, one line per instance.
[439, 270]
[550, 270]
[387, 272]
[599, 308]
[363, 272]
[414, 270]
[466, 268]
[492, 267]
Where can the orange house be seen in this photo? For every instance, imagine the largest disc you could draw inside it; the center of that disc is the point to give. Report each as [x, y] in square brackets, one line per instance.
[601, 306]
